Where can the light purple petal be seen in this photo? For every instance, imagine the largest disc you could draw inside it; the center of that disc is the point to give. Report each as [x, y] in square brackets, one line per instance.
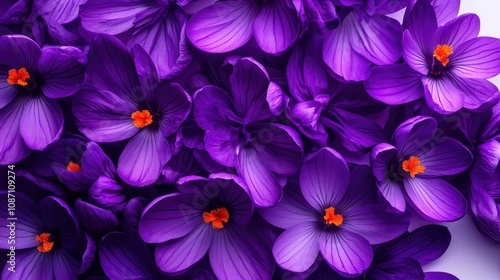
[442, 95]
[142, 159]
[12, 146]
[486, 162]
[169, 217]
[30, 264]
[446, 157]
[477, 58]
[297, 248]
[55, 10]
[413, 54]
[223, 26]
[277, 20]
[459, 30]
[43, 122]
[324, 178]
[435, 199]
[414, 133]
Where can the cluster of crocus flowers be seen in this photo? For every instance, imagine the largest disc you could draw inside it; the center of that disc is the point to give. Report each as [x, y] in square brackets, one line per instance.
[244, 139]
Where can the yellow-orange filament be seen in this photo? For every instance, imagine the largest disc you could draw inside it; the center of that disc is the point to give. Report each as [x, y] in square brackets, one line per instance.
[332, 218]
[412, 165]
[142, 118]
[216, 217]
[73, 167]
[45, 245]
[442, 52]
[18, 77]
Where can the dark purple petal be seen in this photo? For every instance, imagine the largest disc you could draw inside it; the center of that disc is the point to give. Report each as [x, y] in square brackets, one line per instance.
[347, 252]
[414, 55]
[440, 276]
[175, 105]
[324, 178]
[222, 146]
[106, 193]
[486, 162]
[123, 254]
[297, 248]
[414, 133]
[31, 264]
[95, 219]
[8, 91]
[132, 214]
[12, 146]
[52, 9]
[396, 269]
[169, 217]
[277, 20]
[459, 30]
[19, 51]
[59, 217]
[435, 199]
[223, 26]
[212, 108]
[143, 158]
[422, 22]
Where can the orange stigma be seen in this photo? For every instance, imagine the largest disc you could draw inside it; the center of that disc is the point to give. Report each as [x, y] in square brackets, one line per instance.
[332, 218]
[412, 165]
[442, 52]
[73, 167]
[46, 245]
[142, 118]
[18, 77]
[216, 217]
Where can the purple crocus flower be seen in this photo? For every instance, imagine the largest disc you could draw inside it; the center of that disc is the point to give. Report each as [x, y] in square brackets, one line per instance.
[337, 215]
[31, 80]
[13, 11]
[118, 107]
[403, 257]
[156, 25]
[365, 36]
[448, 65]
[49, 242]
[411, 168]
[323, 106]
[208, 215]
[238, 132]
[228, 25]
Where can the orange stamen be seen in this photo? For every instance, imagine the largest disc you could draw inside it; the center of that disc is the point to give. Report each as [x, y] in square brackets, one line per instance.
[216, 217]
[332, 218]
[18, 77]
[73, 167]
[442, 52]
[46, 245]
[412, 165]
[142, 118]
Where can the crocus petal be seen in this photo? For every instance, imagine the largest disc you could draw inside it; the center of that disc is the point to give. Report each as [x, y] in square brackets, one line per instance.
[12, 146]
[132, 213]
[297, 248]
[255, 261]
[179, 254]
[31, 264]
[393, 193]
[435, 199]
[339, 55]
[261, 184]
[249, 82]
[413, 134]
[476, 92]
[486, 162]
[277, 20]
[59, 217]
[446, 157]
[424, 244]
[222, 27]
[292, 202]
[414, 55]
[111, 17]
[320, 12]
[62, 71]
[485, 212]
[422, 22]
[112, 68]
[7, 91]
[142, 159]
[28, 223]
[95, 219]
[96, 162]
[222, 146]
[177, 214]
[43, 122]
[381, 159]
[133, 260]
[212, 108]
[477, 58]
[347, 252]
[446, 10]
[395, 84]
[164, 39]
[103, 116]
[442, 95]
[377, 38]
[439, 276]
[324, 178]
[175, 105]
[52, 9]
[396, 269]
[459, 30]
[106, 193]
[20, 51]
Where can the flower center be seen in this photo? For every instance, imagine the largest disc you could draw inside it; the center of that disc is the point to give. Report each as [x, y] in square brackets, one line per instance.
[73, 167]
[412, 165]
[142, 118]
[332, 218]
[442, 52]
[216, 217]
[45, 245]
[18, 77]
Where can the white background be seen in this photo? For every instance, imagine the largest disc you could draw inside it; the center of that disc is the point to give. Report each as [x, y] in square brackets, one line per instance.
[471, 256]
